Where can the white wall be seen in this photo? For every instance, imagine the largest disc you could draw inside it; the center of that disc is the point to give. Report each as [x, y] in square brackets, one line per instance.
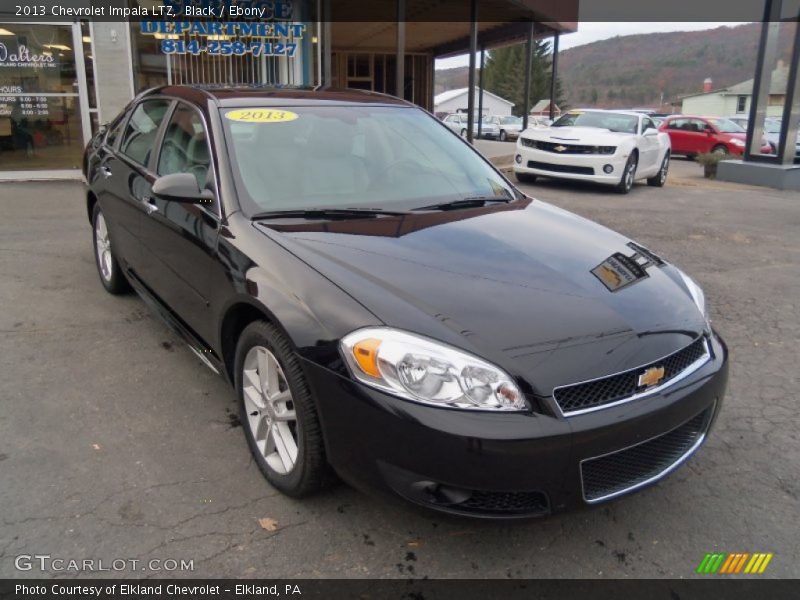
[491, 105]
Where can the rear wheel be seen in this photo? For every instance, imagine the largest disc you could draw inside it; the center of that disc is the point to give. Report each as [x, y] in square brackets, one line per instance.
[628, 175]
[660, 178]
[503, 135]
[278, 414]
[108, 268]
[525, 177]
[463, 133]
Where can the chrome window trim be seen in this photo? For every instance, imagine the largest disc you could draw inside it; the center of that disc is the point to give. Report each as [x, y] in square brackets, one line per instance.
[648, 392]
[666, 471]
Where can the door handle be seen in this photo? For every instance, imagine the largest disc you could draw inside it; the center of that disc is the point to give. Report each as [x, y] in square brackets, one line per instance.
[105, 171]
[149, 205]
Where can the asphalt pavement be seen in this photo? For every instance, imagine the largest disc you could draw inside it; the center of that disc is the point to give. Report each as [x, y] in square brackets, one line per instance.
[117, 443]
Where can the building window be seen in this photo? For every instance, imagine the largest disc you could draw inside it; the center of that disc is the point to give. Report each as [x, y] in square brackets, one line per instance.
[40, 116]
[741, 104]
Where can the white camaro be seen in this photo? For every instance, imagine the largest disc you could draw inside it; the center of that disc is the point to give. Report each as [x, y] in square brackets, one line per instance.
[604, 146]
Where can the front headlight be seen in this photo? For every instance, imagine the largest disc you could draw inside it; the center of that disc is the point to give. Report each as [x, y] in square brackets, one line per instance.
[737, 142]
[697, 294]
[429, 372]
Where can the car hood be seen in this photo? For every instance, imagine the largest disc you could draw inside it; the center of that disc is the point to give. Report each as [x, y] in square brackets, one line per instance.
[583, 135]
[511, 283]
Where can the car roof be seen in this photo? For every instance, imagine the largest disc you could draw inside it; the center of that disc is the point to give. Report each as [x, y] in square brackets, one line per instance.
[258, 95]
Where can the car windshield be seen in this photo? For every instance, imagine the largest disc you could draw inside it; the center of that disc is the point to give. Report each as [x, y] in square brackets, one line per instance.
[726, 126]
[604, 120]
[772, 126]
[343, 156]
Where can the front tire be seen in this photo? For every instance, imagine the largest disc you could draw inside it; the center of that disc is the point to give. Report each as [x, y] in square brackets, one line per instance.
[278, 413]
[660, 178]
[108, 268]
[628, 175]
[720, 149]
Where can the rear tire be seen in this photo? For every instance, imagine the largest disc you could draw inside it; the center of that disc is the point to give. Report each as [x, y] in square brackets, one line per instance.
[525, 177]
[278, 413]
[463, 133]
[503, 135]
[628, 175]
[660, 178]
[108, 268]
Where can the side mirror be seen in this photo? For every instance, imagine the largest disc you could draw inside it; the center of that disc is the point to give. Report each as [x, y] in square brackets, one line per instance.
[650, 131]
[181, 187]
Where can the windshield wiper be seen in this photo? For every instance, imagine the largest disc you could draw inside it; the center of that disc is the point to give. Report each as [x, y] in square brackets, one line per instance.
[326, 213]
[475, 201]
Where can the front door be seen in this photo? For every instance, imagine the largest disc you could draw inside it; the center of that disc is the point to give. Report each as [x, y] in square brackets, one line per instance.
[179, 238]
[649, 147]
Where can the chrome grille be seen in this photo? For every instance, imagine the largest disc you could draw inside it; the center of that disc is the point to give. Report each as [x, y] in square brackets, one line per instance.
[597, 393]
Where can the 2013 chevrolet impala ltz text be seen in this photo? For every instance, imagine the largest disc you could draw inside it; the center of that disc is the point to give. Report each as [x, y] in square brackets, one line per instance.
[391, 309]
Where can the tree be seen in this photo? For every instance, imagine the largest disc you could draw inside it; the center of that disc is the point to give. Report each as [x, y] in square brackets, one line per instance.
[504, 75]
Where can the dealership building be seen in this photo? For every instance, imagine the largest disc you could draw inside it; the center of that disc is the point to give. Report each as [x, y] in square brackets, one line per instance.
[60, 80]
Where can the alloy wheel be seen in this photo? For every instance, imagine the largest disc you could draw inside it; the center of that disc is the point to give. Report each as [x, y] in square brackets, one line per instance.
[630, 171]
[103, 247]
[271, 415]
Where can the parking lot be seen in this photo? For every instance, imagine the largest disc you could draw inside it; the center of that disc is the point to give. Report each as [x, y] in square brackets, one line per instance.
[117, 443]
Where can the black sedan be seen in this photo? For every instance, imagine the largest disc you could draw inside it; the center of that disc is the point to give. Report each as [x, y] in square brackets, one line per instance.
[391, 309]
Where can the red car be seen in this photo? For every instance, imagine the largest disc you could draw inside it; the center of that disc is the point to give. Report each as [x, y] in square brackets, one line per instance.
[695, 135]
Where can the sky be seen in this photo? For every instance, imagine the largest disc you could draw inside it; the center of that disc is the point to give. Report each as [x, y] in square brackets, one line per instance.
[593, 32]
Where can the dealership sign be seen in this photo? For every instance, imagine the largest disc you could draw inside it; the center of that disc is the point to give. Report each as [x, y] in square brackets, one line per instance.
[23, 57]
[226, 38]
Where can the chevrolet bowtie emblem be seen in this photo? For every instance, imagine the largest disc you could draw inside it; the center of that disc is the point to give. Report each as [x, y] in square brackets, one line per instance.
[651, 376]
[560, 148]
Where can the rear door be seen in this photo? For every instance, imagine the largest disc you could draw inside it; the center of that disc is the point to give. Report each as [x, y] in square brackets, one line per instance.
[179, 239]
[123, 166]
[679, 135]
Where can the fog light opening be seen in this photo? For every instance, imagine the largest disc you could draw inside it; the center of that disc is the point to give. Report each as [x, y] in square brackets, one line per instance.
[518, 159]
[608, 168]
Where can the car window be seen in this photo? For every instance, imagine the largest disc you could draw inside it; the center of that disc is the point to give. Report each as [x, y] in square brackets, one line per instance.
[697, 125]
[115, 129]
[677, 124]
[647, 123]
[185, 147]
[338, 156]
[142, 129]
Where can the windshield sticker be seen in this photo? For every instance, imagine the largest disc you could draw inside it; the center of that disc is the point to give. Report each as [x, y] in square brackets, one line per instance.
[251, 115]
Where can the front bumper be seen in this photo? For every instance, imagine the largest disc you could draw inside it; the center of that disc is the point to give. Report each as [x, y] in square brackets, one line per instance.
[498, 465]
[581, 167]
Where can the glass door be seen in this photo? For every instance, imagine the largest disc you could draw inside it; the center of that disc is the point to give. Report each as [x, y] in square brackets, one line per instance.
[44, 125]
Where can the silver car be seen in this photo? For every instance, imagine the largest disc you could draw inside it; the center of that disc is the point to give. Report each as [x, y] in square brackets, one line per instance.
[458, 123]
[509, 126]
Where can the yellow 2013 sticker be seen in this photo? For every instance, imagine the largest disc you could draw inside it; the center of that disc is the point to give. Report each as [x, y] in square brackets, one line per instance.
[261, 115]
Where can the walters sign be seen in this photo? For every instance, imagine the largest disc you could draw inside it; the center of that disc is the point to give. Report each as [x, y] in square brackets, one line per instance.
[22, 57]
